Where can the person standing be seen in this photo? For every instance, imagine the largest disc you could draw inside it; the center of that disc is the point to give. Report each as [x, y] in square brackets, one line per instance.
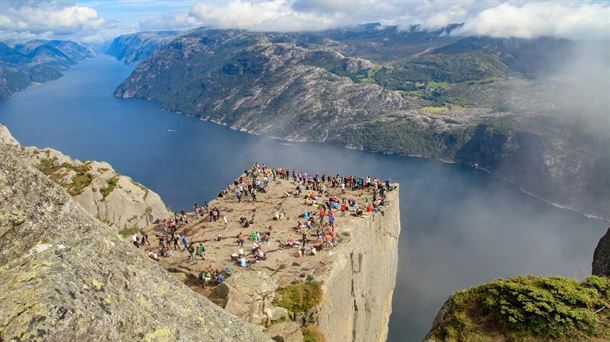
[202, 250]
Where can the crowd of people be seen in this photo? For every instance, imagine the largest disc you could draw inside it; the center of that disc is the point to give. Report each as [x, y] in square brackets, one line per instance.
[323, 197]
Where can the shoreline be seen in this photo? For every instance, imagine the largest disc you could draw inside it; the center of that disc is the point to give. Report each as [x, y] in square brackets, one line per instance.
[347, 147]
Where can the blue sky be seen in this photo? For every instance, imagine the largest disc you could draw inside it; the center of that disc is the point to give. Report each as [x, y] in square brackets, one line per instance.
[101, 20]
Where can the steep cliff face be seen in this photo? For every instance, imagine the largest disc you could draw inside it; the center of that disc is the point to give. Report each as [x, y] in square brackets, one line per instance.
[601, 257]
[65, 276]
[115, 199]
[359, 285]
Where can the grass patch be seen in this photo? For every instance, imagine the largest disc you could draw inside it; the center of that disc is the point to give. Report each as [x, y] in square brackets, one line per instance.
[300, 297]
[436, 85]
[110, 185]
[312, 333]
[554, 308]
[127, 232]
[57, 173]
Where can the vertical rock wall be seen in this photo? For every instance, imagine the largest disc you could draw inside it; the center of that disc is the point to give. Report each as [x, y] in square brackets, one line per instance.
[360, 283]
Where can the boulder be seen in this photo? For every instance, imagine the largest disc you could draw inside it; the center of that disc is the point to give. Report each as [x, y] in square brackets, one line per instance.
[248, 295]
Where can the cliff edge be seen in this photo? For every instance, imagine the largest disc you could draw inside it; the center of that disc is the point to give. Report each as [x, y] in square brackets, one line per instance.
[65, 276]
[338, 287]
[113, 198]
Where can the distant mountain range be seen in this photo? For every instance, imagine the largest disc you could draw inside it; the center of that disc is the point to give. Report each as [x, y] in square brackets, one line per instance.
[37, 61]
[481, 101]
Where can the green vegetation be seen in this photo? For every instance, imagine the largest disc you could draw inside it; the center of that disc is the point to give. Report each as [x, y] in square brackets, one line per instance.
[312, 333]
[57, 173]
[110, 185]
[300, 297]
[529, 307]
[127, 232]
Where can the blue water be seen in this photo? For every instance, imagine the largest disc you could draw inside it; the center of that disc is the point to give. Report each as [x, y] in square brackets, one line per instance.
[459, 226]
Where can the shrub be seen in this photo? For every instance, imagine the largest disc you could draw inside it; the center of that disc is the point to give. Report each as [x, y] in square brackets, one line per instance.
[553, 308]
[301, 297]
[110, 185]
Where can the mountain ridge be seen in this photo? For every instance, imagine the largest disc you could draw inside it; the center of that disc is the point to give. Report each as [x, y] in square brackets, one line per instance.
[37, 61]
[481, 109]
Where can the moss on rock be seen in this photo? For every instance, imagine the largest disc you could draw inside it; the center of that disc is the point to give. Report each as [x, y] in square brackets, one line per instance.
[527, 308]
[300, 297]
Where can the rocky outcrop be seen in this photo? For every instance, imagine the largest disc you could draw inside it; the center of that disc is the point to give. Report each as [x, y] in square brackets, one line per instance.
[249, 295]
[65, 276]
[115, 199]
[601, 256]
[359, 285]
[526, 308]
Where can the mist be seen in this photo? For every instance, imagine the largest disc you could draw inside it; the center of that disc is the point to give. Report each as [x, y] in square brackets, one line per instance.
[582, 85]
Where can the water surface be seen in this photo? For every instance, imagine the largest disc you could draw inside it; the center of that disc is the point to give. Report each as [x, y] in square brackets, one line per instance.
[460, 227]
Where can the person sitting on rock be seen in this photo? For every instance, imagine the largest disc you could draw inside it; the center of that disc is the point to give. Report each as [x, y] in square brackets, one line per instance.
[243, 262]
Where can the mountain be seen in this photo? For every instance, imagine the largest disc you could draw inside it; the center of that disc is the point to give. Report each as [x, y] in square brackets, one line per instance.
[37, 61]
[71, 50]
[479, 101]
[131, 48]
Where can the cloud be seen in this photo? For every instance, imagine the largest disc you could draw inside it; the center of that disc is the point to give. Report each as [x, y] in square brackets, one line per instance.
[56, 18]
[541, 19]
[92, 20]
[517, 18]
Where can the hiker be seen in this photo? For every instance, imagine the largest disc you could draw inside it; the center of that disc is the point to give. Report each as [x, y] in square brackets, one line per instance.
[224, 218]
[202, 250]
[145, 239]
[134, 238]
[191, 250]
[304, 240]
[240, 239]
[185, 242]
[175, 239]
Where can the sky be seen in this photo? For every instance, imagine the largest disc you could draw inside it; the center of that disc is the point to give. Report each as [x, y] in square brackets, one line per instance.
[102, 20]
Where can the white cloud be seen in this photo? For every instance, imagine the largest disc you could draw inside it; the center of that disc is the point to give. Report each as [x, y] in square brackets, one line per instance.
[541, 19]
[517, 18]
[273, 15]
[46, 18]
[92, 20]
